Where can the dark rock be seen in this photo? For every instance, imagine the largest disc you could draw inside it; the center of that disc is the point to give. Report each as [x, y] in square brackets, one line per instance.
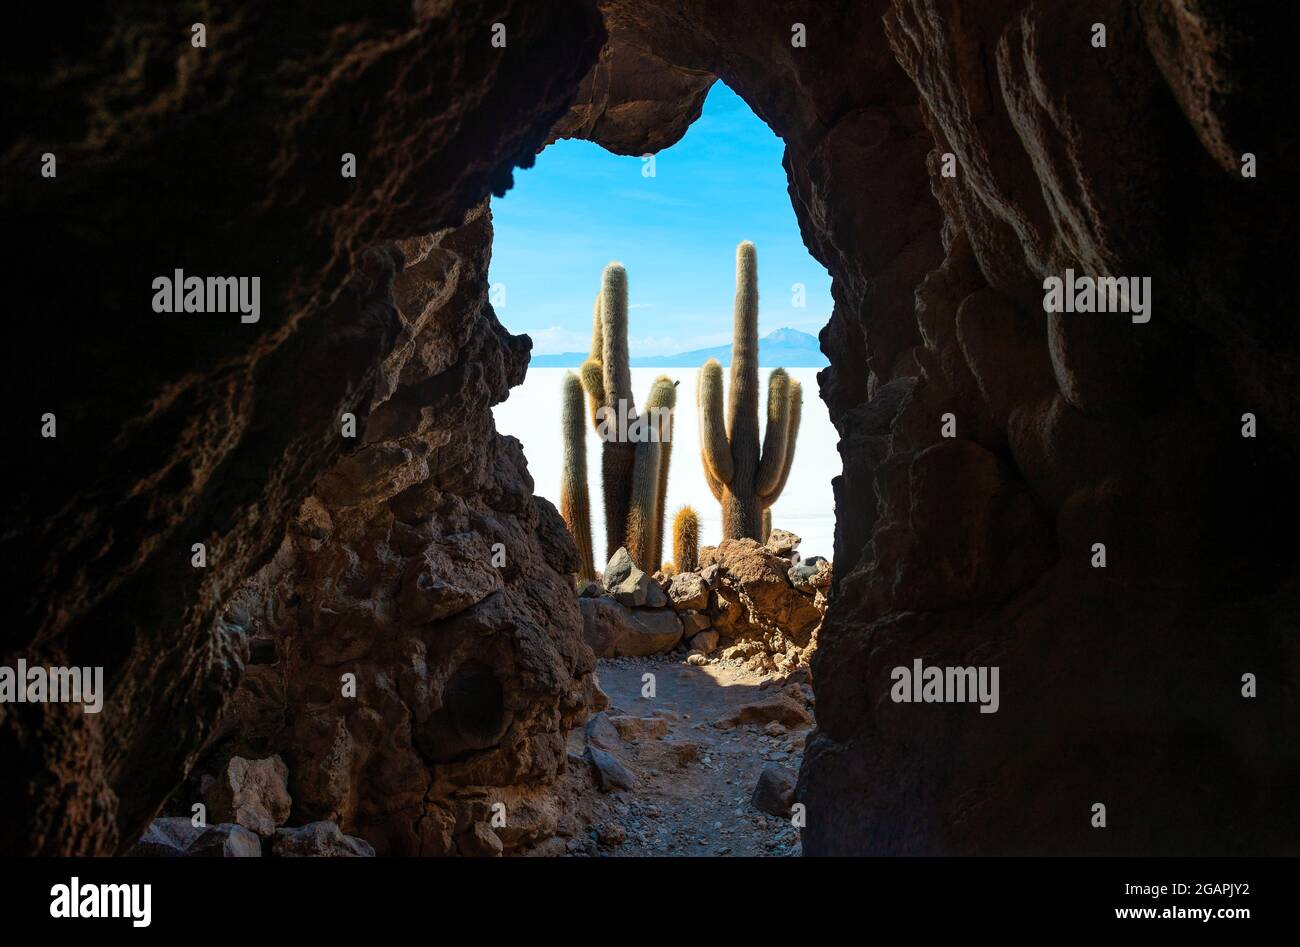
[774, 792]
[318, 840]
[609, 772]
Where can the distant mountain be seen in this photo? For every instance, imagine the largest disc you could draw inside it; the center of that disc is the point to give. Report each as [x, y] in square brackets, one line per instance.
[787, 348]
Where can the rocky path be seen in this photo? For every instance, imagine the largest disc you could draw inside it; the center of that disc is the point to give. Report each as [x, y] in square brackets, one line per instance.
[679, 766]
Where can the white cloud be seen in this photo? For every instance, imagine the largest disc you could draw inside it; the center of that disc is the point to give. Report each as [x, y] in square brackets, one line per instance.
[556, 340]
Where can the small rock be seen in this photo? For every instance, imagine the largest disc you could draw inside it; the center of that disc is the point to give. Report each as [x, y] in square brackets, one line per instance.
[774, 729]
[638, 729]
[624, 581]
[611, 834]
[782, 543]
[688, 590]
[319, 840]
[251, 793]
[601, 733]
[479, 841]
[774, 793]
[683, 752]
[591, 590]
[697, 659]
[694, 622]
[226, 841]
[654, 596]
[705, 642]
[609, 772]
[167, 837]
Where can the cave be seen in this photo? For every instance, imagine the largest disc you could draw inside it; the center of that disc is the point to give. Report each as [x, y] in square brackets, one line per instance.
[230, 515]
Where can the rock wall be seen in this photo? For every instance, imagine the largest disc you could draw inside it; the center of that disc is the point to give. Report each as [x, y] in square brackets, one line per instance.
[183, 428]
[420, 648]
[1120, 685]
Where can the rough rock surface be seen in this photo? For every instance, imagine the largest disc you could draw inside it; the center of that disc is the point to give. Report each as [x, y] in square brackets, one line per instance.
[1071, 429]
[251, 793]
[428, 656]
[318, 840]
[614, 630]
[181, 428]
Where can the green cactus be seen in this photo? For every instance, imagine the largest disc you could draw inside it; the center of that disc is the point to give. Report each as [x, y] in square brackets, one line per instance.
[744, 481]
[686, 540]
[635, 451]
[575, 505]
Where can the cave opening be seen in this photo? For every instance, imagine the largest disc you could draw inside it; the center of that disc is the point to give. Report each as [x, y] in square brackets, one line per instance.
[696, 260]
[674, 219]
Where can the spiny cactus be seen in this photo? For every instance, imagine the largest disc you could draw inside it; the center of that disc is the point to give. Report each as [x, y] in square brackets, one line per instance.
[743, 480]
[767, 525]
[575, 505]
[686, 540]
[636, 451]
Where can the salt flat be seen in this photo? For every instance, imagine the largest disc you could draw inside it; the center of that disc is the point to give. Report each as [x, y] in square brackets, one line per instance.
[807, 507]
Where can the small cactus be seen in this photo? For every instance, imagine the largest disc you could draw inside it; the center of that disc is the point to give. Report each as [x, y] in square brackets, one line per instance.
[745, 481]
[575, 505]
[686, 540]
[767, 525]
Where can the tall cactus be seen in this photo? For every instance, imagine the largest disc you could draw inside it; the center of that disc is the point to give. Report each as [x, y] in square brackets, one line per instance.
[686, 540]
[575, 505]
[745, 481]
[636, 451]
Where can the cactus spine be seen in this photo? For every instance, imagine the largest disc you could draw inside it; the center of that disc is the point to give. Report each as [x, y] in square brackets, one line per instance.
[635, 451]
[575, 505]
[743, 479]
[686, 540]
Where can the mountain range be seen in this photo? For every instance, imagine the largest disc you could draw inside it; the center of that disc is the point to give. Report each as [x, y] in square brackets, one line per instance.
[788, 348]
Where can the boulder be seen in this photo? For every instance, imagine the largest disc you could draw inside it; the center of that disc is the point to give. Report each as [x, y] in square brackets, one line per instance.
[226, 841]
[166, 837]
[783, 543]
[774, 793]
[251, 793]
[779, 707]
[655, 597]
[627, 584]
[705, 642]
[613, 630]
[609, 772]
[319, 840]
[693, 623]
[688, 590]
[639, 729]
[601, 733]
[479, 841]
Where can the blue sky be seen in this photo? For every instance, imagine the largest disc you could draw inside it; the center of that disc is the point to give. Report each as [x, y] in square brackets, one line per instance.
[579, 207]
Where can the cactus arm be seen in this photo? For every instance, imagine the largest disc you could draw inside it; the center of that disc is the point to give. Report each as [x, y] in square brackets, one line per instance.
[714, 446]
[613, 308]
[767, 525]
[597, 331]
[593, 382]
[796, 412]
[742, 407]
[575, 506]
[772, 464]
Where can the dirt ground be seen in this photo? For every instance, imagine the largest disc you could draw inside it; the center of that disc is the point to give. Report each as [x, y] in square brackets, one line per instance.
[696, 748]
